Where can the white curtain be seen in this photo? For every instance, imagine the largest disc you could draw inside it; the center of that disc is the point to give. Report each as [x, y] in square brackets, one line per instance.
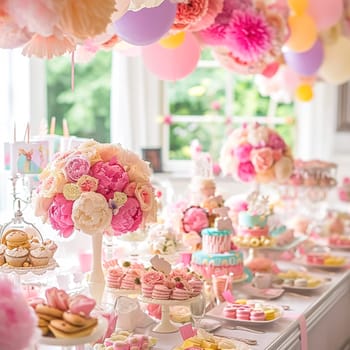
[136, 104]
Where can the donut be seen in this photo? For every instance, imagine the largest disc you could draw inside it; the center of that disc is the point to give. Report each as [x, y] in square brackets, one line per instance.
[254, 242]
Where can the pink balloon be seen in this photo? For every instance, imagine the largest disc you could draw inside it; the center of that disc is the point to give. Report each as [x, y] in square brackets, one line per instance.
[172, 64]
[325, 13]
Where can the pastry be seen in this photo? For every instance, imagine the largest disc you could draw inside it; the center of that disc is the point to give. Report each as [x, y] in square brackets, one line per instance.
[270, 314]
[16, 257]
[48, 312]
[39, 256]
[16, 238]
[257, 315]
[243, 313]
[300, 282]
[2, 254]
[51, 246]
[68, 327]
[77, 334]
[161, 292]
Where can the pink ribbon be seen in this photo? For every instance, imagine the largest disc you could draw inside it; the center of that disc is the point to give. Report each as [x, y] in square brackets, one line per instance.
[302, 326]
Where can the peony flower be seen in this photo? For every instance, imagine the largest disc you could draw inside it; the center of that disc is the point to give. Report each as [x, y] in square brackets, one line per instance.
[189, 13]
[242, 152]
[262, 159]
[87, 183]
[107, 151]
[275, 141]
[52, 184]
[42, 206]
[128, 218]
[90, 150]
[75, 167]
[60, 215]
[258, 135]
[246, 171]
[214, 8]
[283, 169]
[111, 177]
[91, 213]
[248, 35]
[129, 189]
[195, 219]
[144, 194]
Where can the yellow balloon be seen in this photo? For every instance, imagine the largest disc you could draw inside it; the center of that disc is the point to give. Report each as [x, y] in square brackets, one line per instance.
[335, 68]
[304, 92]
[303, 32]
[172, 41]
[298, 6]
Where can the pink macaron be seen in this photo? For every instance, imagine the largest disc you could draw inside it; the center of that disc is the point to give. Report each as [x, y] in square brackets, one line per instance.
[243, 313]
[230, 311]
[257, 315]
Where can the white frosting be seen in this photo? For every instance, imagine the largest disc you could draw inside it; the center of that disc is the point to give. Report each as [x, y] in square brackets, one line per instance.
[41, 252]
[2, 248]
[17, 252]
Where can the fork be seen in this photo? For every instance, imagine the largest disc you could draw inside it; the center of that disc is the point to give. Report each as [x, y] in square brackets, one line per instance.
[248, 341]
[241, 328]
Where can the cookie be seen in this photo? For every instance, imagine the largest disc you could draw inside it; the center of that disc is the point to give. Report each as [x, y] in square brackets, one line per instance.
[42, 322]
[48, 311]
[44, 330]
[77, 320]
[64, 326]
[81, 333]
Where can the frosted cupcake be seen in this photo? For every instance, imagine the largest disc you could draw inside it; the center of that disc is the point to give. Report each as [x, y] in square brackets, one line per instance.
[51, 246]
[40, 256]
[16, 257]
[2, 254]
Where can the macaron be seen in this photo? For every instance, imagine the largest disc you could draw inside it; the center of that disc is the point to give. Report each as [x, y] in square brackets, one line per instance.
[269, 314]
[257, 315]
[230, 311]
[243, 314]
[300, 282]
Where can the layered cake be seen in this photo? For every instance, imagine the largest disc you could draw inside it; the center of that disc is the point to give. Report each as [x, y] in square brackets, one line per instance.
[216, 257]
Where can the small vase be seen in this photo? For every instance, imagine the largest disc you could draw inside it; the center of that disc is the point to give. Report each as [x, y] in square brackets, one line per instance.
[97, 279]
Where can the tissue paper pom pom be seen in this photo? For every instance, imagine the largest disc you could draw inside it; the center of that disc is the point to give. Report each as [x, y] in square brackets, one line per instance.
[248, 35]
[48, 47]
[189, 13]
[214, 8]
[11, 35]
[27, 12]
[85, 18]
[136, 5]
[18, 330]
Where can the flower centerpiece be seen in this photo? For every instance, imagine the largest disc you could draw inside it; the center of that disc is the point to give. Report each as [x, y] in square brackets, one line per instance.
[256, 153]
[96, 188]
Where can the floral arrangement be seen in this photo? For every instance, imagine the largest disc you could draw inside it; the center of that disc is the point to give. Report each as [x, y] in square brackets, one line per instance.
[96, 188]
[256, 153]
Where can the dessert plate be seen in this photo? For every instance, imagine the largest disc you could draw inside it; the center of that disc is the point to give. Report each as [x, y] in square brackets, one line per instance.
[37, 270]
[339, 247]
[93, 337]
[268, 293]
[323, 266]
[217, 312]
[209, 324]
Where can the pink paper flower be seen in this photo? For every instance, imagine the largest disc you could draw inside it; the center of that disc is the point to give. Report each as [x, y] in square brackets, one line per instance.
[262, 159]
[243, 151]
[128, 217]
[214, 8]
[112, 177]
[60, 215]
[195, 219]
[76, 167]
[275, 141]
[152, 278]
[248, 35]
[246, 171]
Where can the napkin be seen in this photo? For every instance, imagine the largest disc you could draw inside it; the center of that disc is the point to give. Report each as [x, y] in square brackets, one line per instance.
[130, 315]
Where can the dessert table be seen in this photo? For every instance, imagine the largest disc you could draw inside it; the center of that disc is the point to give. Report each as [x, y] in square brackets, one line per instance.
[325, 311]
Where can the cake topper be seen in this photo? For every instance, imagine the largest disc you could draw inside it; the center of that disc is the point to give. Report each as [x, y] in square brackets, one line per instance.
[223, 221]
[160, 264]
[258, 204]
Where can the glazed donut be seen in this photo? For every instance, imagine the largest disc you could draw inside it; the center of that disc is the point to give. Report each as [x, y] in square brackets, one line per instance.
[254, 242]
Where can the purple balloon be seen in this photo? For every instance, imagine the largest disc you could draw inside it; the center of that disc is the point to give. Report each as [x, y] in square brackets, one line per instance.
[146, 26]
[308, 62]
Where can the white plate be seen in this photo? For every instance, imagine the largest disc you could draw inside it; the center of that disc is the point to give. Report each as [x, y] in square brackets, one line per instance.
[324, 267]
[268, 293]
[238, 345]
[296, 288]
[217, 312]
[339, 247]
[122, 292]
[97, 334]
[167, 301]
[37, 270]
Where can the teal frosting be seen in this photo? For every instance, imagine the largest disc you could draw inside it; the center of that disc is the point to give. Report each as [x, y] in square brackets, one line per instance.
[215, 232]
[229, 258]
[278, 231]
[247, 220]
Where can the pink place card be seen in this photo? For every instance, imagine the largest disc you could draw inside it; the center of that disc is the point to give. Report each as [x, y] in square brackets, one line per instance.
[187, 331]
[228, 296]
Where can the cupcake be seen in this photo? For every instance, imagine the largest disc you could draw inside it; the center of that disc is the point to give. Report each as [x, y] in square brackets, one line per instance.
[40, 256]
[114, 277]
[2, 254]
[51, 246]
[16, 257]
[17, 238]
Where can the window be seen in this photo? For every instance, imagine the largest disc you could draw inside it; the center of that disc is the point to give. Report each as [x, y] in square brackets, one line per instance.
[87, 109]
[209, 103]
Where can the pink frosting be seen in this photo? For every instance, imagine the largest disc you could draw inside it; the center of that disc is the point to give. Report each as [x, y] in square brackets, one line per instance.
[112, 177]
[57, 298]
[60, 215]
[76, 167]
[128, 217]
[81, 305]
[152, 278]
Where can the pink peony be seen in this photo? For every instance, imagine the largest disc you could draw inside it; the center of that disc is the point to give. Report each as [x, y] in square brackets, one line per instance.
[195, 219]
[128, 217]
[246, 171]
[18, 330]
[112, 177]
[129, 189]
[60, 215]
[76, 167]
[248, 35]
[189, 13]
[262, 159]
[275, 141]
[214, 8]
[243, 151]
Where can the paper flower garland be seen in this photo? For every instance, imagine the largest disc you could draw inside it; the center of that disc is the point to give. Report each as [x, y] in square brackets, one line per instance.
[256, 153]
[96, 188]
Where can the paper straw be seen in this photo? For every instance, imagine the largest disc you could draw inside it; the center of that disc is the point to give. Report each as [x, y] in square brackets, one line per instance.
[52, 125]
[65, 128]
[72, 71]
